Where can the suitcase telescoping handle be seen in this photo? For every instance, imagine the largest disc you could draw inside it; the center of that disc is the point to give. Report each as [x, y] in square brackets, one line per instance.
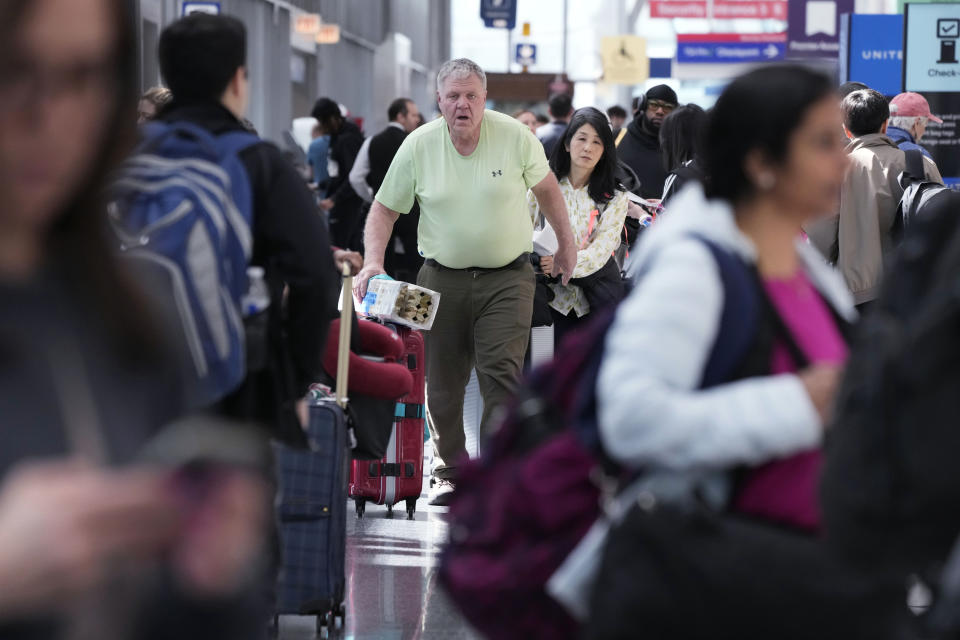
[346, 323]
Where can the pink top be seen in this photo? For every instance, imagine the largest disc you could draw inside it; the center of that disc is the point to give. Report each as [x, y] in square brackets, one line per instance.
[786, 490]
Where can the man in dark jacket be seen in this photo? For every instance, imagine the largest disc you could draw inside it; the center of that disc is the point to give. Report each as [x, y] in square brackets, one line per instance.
[561, 111]
[289, 238]
[401, 261]
[342, 202]
[909, 116]
[639, 148]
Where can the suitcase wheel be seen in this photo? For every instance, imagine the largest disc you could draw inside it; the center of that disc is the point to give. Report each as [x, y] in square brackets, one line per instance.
[361, 506]
[332, 623]
[389, 510]
[411, 508]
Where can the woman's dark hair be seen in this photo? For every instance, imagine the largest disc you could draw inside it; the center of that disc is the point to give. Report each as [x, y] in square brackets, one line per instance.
[681, 136]
[603, 181]
[327, 112]
[78, 242]
[759, 111]
[200, 54]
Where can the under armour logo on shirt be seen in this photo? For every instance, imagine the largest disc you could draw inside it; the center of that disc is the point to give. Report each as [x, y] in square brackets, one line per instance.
[496, 173]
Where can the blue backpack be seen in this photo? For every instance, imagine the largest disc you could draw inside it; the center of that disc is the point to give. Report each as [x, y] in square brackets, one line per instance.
[181, 208]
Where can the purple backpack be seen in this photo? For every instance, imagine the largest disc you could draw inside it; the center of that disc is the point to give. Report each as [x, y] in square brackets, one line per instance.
[521, 509]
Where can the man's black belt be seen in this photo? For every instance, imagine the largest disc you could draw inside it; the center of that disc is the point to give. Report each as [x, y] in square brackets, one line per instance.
[522, 259]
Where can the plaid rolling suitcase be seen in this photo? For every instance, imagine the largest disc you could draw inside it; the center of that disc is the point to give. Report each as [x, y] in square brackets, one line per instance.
[398, 476]
[311, 505]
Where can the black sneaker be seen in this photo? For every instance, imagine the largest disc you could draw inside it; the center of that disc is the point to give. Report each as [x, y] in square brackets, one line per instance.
[441, 493]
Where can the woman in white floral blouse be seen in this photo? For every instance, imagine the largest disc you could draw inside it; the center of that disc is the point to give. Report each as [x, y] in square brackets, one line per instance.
[585, 166]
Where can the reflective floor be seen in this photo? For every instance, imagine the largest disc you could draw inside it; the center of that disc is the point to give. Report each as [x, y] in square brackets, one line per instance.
[392, 591]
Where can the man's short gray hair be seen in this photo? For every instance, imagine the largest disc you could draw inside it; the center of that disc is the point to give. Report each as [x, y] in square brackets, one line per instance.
[904, 122]
[460, 68]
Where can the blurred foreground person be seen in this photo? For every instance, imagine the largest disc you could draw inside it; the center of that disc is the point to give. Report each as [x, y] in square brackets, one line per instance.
[87, 550]
[890, 487]
[774, 171]
[724, 406]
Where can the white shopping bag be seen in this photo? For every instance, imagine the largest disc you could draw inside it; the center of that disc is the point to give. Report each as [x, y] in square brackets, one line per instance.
[541, 345]
[545, 241]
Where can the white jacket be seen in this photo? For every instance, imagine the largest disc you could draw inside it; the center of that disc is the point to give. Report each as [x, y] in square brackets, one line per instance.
[652, 414]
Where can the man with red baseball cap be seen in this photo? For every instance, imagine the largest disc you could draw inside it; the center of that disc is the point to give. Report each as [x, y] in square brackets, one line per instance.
[909, 114]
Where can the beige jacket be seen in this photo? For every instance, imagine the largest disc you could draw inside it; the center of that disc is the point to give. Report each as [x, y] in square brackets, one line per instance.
[857, 239]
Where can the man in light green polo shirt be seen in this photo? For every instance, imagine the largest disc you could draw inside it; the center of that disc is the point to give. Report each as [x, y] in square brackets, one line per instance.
[470, 172]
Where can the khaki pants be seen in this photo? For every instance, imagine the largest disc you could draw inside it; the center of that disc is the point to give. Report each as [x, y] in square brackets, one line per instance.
[483, 322]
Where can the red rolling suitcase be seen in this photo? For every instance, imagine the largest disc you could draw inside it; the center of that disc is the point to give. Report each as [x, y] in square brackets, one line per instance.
[399, 474]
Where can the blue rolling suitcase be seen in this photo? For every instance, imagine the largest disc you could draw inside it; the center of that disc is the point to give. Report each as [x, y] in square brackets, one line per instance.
[312, 505]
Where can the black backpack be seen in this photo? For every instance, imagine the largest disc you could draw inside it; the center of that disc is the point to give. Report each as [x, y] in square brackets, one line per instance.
[919, 194]
[890, 491]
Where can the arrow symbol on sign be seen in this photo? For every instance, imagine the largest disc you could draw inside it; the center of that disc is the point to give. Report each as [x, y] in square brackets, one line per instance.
[771, 51]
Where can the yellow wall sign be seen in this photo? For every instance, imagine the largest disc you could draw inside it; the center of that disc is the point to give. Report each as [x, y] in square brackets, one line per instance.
[307, 23]
[625, 59]
[328, 34]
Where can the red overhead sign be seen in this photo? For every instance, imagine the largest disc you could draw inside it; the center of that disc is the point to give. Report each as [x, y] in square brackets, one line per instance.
[722, 9]
[678, 9]
[756, 9]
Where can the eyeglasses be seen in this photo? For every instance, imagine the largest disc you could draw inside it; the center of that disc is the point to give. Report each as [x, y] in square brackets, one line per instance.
[656, 105]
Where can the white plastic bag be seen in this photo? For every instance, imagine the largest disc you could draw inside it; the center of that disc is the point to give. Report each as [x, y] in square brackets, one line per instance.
[545, 241]
[400, 303]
